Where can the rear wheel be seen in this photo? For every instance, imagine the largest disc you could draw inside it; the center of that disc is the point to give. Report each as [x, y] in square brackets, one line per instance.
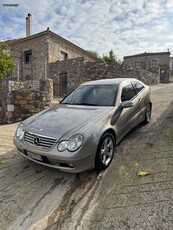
[105, 151]
[148, 114]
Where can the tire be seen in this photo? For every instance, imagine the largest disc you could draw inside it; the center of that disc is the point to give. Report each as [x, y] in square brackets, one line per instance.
[147, 114]
[105, 151]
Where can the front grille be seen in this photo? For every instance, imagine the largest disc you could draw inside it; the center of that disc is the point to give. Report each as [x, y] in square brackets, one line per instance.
[39, 141]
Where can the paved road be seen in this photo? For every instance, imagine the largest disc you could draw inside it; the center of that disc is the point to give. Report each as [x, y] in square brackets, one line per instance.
[36, 197]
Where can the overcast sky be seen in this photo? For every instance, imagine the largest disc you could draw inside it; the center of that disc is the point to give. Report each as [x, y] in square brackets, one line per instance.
[126, 26]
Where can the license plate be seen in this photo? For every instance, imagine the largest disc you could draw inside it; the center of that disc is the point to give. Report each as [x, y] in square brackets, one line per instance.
[34, 156]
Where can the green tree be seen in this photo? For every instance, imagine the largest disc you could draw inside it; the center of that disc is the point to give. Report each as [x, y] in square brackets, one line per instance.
[6, 62]
[94, 53]
[111, 57]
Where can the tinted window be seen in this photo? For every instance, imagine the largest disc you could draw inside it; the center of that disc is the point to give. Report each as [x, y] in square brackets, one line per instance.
[100, 95]
[137, 86]
[128, 93]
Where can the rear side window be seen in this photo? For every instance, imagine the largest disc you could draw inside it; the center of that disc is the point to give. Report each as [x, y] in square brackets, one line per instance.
[128, 93]
[137, 86]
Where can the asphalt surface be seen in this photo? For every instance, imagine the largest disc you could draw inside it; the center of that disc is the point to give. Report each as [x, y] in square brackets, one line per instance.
[36, 197]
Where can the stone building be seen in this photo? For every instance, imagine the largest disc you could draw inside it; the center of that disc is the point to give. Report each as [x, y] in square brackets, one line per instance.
[154, 62]
[33, 53]
[171, 69]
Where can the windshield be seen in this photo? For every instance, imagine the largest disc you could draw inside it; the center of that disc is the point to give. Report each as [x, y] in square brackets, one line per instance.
[94, 95]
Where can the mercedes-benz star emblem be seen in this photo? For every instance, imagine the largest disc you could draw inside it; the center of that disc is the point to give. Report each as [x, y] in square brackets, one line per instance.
[37, 141]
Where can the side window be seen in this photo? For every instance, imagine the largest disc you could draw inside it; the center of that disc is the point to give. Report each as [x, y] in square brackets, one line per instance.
[128, 93]
[137, 86]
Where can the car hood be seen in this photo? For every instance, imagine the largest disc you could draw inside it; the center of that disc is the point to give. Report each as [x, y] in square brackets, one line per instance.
[63, 121]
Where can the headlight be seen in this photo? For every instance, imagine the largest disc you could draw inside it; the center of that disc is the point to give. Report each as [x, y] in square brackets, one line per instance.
[72, 144]
[20, 132]
[62, 146]
[75, 142]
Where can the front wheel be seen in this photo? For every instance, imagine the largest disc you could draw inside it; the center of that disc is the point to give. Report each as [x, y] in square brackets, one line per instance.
[105, 151]
[148, 114]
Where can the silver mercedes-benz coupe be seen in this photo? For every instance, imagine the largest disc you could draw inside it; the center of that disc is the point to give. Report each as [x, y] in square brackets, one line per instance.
[81, 132]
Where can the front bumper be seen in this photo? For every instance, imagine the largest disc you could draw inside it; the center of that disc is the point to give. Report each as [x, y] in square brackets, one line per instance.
[81, 160]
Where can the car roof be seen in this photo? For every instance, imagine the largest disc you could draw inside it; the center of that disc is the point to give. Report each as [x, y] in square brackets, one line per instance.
[108, 81]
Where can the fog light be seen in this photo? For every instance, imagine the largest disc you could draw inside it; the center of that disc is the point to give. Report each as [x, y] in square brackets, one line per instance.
[71, 165]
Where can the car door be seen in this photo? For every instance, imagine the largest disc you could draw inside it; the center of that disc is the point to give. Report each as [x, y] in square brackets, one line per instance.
[129, 116]
[139, 89]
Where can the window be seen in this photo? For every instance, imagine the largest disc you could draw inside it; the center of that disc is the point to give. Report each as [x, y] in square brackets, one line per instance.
[154, 62]
[172, 65]
[137, 64]
[28, 56]
[93, 95]
[128, 93]
[137, 86]
[64, 56]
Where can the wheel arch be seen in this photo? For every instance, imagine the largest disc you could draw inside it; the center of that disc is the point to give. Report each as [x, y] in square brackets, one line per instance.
[98, 162]
[112, 131]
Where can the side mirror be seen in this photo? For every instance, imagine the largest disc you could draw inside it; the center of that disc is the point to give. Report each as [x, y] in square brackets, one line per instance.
[127, 104]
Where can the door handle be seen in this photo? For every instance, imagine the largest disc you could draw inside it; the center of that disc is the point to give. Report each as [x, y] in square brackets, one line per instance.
[139, 100]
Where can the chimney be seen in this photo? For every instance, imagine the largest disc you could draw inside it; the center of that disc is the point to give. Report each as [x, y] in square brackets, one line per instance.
[29, 25]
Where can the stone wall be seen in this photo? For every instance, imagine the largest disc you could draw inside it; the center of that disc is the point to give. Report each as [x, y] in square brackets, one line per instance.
[36, 69]
[56, 45]
[21, 99]
[75, 69]
[79, 71]
[111, 70]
